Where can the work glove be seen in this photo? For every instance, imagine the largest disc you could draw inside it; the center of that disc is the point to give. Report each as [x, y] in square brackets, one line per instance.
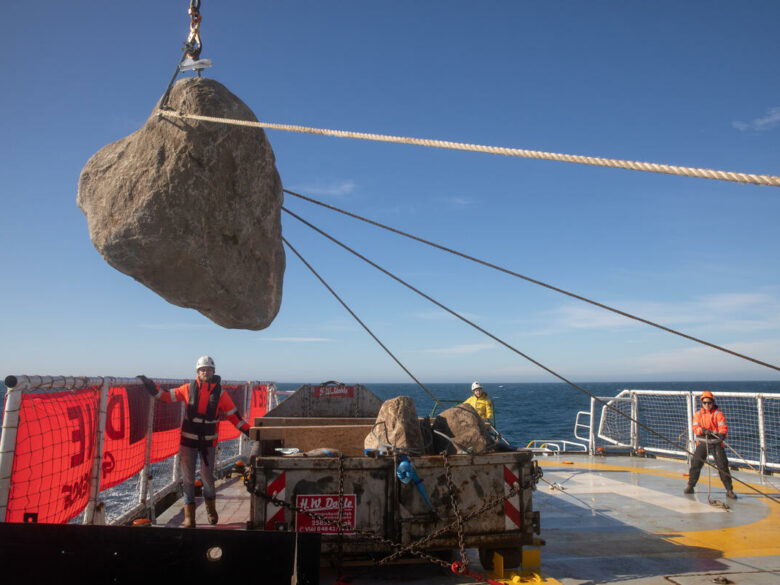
[150, 386]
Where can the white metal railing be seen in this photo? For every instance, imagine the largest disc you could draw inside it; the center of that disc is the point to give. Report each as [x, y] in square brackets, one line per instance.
[556, 446]
[148, 492]
[753, 419]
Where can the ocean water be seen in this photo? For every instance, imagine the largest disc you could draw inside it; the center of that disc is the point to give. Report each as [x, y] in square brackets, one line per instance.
[546, 411]
[529, 411]
[523, 411]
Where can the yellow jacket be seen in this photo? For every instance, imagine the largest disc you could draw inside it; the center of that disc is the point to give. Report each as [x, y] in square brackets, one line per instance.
[483, 405]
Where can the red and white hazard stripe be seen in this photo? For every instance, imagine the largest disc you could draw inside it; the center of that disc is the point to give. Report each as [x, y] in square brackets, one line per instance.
[512, 520]
[276, 488]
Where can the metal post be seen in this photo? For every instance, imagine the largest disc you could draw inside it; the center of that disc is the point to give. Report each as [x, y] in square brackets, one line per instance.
[634, 419]
[761, 435]
[591, 433]
[247, 404]
[97, 458]
[689, 407]
[13, 401]
[146, 486]
[177, 459]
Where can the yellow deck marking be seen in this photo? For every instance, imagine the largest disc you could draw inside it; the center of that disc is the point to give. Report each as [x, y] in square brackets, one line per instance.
[760, 538]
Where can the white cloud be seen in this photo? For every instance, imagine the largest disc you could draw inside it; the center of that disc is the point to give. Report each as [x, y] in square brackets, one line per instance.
[461, 349]
[337, 190]
[732, 312]
[456, 201]
[710, 362]
[768, 122]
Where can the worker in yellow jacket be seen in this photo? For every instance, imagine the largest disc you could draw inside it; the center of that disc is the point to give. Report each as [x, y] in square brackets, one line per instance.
[481, 403]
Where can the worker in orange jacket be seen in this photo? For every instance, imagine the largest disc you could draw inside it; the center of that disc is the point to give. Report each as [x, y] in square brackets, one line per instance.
[206, 404]
[710, 428]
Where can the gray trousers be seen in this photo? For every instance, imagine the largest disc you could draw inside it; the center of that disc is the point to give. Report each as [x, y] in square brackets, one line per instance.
[188, 457]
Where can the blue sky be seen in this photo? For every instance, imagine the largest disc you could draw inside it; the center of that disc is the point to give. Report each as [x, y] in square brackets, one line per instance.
[691, 84]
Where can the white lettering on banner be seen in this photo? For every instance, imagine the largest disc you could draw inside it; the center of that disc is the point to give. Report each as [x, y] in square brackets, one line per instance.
[326, 506]
[334, 391]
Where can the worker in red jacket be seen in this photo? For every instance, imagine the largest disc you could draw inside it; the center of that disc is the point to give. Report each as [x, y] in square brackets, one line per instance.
[710, 428]
[206, 404]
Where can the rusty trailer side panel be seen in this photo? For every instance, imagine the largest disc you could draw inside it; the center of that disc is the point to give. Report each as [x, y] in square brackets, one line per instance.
[369, 480]
[385, 507]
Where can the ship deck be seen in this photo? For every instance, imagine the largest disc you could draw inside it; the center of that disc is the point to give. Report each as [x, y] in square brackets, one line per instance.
[613, 519]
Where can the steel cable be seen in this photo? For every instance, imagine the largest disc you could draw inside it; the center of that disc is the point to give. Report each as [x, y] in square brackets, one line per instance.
[533, 280]
[351, 312]
[481, 330]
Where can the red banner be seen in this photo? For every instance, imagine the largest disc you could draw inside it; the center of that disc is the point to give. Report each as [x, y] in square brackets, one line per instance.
[124, 447]
[56, 438]
[53, 456]
[226, 429]
[167, 425]
[258, 406]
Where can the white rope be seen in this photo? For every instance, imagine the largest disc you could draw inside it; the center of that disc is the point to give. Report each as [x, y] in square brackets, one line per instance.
[519, 152]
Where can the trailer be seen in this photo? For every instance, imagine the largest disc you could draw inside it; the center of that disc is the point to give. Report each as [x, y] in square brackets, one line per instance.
[309, 473]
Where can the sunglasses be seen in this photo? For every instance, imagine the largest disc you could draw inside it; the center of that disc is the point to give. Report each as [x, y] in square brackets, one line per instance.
[706, 401]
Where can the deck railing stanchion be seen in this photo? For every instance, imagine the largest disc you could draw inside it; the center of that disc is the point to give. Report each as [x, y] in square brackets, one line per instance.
[689, 409]
[146, 495]
[761, 435]
[247, 405]
[97, 458]
[591, 432]
[634, 418]
[177, 457]
[13, 401]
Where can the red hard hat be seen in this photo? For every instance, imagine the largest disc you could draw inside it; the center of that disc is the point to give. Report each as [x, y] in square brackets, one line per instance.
[706, 394]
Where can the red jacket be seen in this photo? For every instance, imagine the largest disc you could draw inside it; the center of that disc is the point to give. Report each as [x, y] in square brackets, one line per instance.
[204, 411]
[712, 420]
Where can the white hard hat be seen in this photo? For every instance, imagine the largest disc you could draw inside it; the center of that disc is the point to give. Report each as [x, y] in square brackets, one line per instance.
[476, 385]
[204, 362]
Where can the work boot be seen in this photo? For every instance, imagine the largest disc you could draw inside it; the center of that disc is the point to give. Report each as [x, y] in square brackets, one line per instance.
[731, 494]
[211, 510]
[189, 516]
[688, 489]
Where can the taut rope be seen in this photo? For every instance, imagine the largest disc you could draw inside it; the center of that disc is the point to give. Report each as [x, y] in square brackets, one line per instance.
[518, 152]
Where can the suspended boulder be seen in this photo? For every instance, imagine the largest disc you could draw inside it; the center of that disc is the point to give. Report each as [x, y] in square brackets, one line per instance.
[464, 427]
[396, 426]
[191, 209]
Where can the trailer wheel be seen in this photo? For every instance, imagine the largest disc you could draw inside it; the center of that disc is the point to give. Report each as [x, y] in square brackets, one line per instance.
[513, 557]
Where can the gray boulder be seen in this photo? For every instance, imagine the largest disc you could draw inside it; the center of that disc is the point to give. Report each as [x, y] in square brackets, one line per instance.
[465, 428]
[192, 209]
[397, 425]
